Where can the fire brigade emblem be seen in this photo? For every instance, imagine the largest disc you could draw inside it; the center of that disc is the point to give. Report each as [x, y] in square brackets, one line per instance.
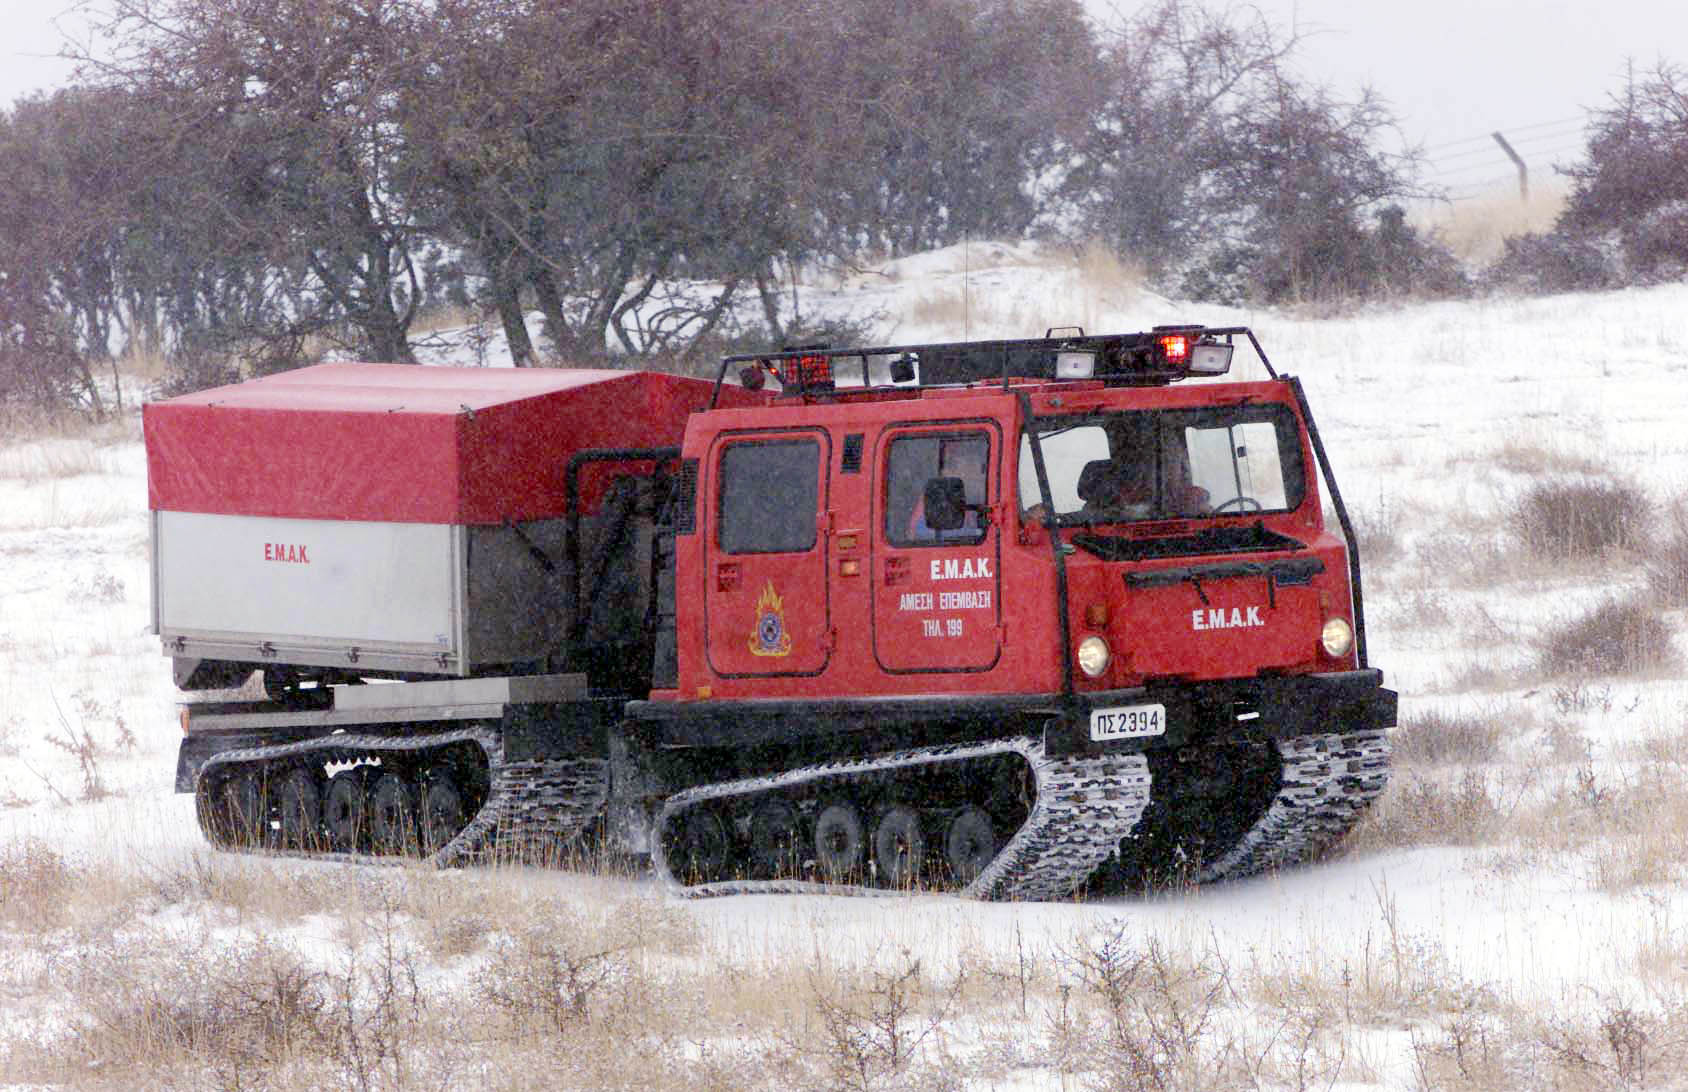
[770, 638]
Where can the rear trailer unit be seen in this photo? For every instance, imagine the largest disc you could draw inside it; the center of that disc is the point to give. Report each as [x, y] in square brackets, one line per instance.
[365, 520]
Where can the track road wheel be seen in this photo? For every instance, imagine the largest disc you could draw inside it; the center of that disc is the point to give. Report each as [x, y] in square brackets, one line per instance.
[839, 842]
[345, 814]
[969, 843]
[245, 807]
[699, 852]
[392, 814]
[899, 847]
[442, 810]
[301, 809]
[775, 840]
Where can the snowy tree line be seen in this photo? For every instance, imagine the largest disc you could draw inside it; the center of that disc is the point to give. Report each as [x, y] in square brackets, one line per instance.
[235, 185]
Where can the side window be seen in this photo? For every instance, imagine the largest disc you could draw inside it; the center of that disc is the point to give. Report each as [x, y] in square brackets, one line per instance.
[1066, 452]
[770, 496]
[914, 460]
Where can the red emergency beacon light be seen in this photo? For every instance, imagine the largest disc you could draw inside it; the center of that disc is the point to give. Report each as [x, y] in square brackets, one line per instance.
[809, 372]
[1176, 349]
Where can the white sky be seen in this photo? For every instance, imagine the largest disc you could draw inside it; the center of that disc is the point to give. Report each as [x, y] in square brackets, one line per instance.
[28, 59]
[1455, 70]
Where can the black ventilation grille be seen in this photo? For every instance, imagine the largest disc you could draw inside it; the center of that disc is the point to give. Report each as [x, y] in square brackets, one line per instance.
[685, 498]
[852, 462]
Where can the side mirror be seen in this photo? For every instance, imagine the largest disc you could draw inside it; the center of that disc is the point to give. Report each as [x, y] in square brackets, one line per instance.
[945, 503]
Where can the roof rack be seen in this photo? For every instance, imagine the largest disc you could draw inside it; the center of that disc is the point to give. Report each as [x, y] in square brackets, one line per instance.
[1155, 357]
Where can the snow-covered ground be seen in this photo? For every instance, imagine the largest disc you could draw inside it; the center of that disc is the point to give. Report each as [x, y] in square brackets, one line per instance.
[1438, 418]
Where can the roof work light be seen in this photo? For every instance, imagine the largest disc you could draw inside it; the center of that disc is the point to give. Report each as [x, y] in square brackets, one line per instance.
[1071, 364]
[1210, 358]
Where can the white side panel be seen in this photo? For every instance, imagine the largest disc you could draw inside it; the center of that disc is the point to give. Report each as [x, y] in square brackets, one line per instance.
[368, 584]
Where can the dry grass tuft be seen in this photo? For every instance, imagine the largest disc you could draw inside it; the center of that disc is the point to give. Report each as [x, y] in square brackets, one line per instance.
[1618, 637]
[1377, 532]
[1437, 738]
[50, 461]
[1533, 455]
[948, 308]
[1477, 229]
[1570, 518]
[60, 445]
[438, 317]
[1432, 809]
[1458, 559]
[35, 884]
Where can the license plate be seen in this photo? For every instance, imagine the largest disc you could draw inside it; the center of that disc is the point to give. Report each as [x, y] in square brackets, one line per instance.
[1127, 722]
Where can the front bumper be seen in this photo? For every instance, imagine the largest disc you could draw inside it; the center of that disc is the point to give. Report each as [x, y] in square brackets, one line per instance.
[1269, 707]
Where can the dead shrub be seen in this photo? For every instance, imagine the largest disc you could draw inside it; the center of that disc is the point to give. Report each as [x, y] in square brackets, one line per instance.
[78, 743]
[377, 1020]
[1667, 560]
[160, 1002]
[98, 587]
[1620, 1046]
[1581, 696]
[1473, 1049]
[553, 975]
[1161, 1013]
[1377, 533]
[1576, 518]
[877, 1027]
[1618, 637]
[1438, 738]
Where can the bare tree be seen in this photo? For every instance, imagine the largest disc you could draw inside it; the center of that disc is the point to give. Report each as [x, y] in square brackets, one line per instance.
[292, 101]
[1227, 175]
[1632, 183]
[61, 178]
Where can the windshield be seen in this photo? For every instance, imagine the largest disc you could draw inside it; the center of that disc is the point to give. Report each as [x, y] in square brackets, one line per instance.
[1166, 464]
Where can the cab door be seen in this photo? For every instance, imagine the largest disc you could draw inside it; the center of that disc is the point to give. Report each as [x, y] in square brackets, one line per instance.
[937, 604]
[766, 609]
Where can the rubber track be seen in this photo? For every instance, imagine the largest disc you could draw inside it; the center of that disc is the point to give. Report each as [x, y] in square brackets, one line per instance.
[1084, 806]
[1328, 782]
[531, 807]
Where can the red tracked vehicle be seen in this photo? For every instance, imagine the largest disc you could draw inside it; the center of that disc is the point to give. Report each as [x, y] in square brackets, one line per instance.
[1014, 618]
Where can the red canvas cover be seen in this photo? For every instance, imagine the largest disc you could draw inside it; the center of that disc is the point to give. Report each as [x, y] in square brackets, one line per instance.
[402, 443]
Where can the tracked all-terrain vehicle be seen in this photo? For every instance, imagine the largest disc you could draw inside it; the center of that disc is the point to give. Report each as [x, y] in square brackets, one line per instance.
[1012, 618]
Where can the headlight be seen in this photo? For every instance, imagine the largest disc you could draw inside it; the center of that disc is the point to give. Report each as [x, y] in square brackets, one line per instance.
[1093, 656]
[1337, 637]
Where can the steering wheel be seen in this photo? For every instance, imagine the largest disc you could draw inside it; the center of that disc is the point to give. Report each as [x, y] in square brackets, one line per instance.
[1243, 504]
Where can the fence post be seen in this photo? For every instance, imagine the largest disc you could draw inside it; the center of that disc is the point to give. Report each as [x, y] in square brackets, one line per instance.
[1523, 171]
